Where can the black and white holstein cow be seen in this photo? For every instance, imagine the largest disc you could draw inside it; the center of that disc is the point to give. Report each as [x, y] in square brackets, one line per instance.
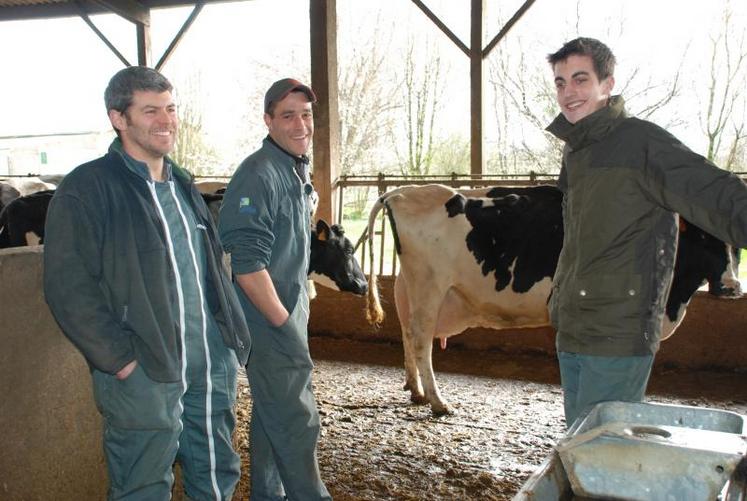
[489, 262]
[22, 220]
[12, 188]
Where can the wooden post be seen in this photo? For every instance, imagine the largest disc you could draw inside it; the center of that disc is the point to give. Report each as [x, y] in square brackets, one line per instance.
[323, 23]
[476, 78]
[143, 44]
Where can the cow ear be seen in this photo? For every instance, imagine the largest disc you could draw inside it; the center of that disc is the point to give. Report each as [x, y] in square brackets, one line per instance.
[322, 230]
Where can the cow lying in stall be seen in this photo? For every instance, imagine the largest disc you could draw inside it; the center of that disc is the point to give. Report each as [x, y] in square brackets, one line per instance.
[23, 224]
[12, 188]
[489, 262]
[22, 220]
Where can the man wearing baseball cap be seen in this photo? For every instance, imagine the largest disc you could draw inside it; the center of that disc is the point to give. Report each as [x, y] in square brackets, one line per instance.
[265, 225]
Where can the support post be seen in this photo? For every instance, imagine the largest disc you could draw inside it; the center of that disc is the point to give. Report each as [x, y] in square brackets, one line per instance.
[143, 43]
[476, 80]
[323, 23]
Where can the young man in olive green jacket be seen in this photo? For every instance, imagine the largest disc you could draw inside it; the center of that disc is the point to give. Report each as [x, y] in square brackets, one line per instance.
[624, 181]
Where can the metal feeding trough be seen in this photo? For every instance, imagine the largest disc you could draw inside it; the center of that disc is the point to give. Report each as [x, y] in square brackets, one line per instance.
[643, 451]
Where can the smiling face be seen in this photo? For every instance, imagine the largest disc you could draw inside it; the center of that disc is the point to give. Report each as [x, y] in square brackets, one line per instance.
[148, 126]
[291, 124]
[579, 91]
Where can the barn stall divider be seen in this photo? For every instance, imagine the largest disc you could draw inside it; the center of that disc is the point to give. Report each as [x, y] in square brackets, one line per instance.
[51, 429]
[713, 334]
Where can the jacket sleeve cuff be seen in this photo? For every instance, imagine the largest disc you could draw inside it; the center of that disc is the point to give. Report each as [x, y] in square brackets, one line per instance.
[243, 267]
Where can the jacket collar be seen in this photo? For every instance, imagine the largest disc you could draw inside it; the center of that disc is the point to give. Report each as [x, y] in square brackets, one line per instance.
[592, 128]
[302, 159]
[136, 166]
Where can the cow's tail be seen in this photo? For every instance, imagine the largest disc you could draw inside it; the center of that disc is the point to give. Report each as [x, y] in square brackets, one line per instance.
[374, 311]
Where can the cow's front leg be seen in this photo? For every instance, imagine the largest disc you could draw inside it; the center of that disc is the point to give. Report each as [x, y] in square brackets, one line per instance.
[422, 340]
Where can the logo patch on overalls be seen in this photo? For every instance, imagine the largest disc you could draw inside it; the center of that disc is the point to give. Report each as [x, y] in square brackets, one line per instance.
[246, 207]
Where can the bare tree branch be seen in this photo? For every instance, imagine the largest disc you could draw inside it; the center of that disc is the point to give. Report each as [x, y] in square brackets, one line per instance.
[726, 80]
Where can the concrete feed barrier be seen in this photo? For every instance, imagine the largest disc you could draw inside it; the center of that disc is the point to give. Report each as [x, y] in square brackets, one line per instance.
[51, 429]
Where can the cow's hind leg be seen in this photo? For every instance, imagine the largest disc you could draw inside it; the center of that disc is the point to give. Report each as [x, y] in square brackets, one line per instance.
[412, 377]
[422, 330]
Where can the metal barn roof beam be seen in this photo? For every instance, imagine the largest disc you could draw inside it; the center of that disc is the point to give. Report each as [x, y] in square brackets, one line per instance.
[84, 15]
[182, 31]
[510, 24]
[133, 11]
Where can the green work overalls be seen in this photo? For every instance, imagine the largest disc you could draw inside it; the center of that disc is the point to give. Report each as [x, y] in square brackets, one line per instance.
[265, 224]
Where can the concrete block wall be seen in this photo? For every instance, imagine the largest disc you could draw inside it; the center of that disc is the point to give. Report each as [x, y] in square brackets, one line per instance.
[713, 334]
[51, 431]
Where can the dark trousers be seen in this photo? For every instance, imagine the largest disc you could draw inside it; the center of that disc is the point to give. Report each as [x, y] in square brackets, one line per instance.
[148, 425]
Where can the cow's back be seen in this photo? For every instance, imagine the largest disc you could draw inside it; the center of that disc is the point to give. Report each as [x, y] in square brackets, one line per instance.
[443, 276]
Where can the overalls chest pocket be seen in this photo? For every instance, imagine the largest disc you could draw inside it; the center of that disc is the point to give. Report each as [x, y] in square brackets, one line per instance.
[295, 208]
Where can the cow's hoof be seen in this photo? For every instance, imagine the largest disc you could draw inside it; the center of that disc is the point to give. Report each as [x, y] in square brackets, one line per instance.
[441, 410]
[418, 399]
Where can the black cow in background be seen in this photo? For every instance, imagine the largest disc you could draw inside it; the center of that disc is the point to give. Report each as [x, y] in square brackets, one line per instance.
[331, 264]
[22, 220]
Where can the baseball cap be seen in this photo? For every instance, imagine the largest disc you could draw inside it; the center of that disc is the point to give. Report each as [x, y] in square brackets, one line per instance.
[280, 89]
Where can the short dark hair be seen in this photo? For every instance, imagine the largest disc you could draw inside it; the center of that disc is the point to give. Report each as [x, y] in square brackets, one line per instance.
[601, 55]
[118, 94]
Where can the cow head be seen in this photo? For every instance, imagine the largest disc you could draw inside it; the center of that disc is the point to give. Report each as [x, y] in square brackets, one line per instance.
[728, 285]
[701, 258]
[704, 258]
[332, 262]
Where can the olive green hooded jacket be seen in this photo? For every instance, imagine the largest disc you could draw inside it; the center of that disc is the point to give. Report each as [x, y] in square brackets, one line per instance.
[623, 179]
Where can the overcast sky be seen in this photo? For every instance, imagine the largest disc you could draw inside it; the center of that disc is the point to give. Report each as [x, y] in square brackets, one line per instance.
[54, 71]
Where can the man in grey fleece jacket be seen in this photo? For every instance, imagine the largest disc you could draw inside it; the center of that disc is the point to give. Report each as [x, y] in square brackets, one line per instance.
[133, 276]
